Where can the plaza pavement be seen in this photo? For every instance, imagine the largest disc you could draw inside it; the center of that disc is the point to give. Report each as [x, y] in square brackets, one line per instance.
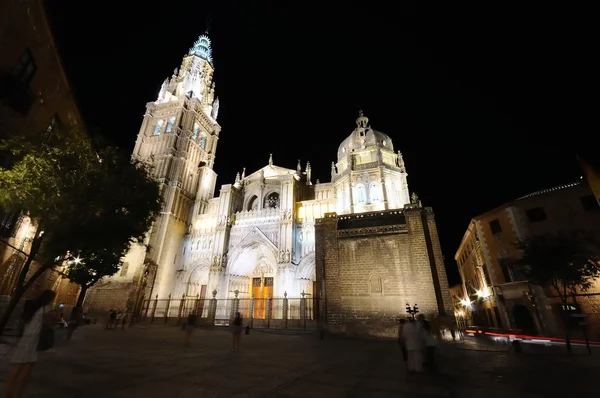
[151, 362]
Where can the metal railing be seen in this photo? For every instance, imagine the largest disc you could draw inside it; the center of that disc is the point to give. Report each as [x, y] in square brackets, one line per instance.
[278, 313]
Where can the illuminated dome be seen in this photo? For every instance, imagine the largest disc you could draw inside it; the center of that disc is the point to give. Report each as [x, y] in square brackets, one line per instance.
[364, 137]
[202, 48]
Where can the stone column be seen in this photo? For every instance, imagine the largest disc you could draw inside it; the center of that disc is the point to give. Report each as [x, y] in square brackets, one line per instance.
[212, 308]
[235, 305]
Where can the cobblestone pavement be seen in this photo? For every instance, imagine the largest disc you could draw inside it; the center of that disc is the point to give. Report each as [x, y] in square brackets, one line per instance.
[152, 362]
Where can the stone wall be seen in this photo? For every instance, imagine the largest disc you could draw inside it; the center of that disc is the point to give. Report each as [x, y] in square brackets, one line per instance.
[372, 271]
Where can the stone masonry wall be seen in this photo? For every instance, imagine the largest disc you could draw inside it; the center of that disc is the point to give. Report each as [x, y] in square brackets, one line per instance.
[353, 266]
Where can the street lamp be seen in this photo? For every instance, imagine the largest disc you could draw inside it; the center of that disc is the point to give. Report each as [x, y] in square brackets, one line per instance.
[412, 311]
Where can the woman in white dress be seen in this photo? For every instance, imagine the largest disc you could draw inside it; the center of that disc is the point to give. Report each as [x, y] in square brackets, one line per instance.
[25, 355]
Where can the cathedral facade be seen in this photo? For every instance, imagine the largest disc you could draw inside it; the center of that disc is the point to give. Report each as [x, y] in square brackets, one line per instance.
[257, 237]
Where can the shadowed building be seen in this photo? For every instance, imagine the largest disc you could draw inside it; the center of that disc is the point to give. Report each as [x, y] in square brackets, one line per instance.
[35, 98]
[498, 295]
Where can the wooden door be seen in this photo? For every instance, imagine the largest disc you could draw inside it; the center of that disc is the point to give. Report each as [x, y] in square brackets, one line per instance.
[201, 298]
[262, 290]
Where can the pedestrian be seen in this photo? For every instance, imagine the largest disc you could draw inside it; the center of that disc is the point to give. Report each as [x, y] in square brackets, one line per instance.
[237, 332]
[401, 340]
[189, 327]
[37, 336]
[73, 322]
[412, 334]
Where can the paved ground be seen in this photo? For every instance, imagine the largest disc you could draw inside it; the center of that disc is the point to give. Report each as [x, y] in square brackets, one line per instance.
[152, 362]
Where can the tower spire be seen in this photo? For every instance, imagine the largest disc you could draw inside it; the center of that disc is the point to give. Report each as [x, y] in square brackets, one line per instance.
[270, 159]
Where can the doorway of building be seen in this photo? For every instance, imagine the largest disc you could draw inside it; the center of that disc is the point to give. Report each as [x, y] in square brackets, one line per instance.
[523, 318]
[262, 290]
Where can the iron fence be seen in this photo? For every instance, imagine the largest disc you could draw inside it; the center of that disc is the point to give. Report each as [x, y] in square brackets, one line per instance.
[257, 312]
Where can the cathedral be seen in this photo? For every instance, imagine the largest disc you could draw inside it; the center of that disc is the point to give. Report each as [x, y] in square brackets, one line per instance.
[259, 237]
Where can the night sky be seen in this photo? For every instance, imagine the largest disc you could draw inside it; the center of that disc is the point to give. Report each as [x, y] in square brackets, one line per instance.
[479, 100]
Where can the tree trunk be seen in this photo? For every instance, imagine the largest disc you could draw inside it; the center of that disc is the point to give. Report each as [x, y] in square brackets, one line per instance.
[81, 297]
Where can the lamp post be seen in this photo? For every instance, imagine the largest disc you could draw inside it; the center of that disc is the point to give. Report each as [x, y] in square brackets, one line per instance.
[412, 311]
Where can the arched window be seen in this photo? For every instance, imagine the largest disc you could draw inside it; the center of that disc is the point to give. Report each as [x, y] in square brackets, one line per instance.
[203, 138]
[195, 131]
[158, 127]
[253, 203]
[272, 201]
[374, 192]
[361, 195]
[170, 124]
[375, 284]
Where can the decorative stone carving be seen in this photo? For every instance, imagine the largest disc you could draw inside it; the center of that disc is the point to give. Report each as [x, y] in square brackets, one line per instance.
[379, 230]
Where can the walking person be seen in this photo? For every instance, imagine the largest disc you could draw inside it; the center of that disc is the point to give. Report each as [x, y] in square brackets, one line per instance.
[401, 340]
[412, 335]
[237, 332]
[430, 346]
[189, 327]
[38, 316]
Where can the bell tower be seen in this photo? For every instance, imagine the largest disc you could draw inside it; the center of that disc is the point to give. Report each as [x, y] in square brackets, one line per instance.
[178, 139]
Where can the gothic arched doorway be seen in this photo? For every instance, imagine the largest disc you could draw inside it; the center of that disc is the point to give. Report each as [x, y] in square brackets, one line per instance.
[523, 318]
[251, 272]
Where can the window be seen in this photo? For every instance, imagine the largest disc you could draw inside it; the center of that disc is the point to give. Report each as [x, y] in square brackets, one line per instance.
[589, 203]
[536, 214]
[203, 138]
[495, 226]
[375, 284]
[25, 67]
[253, 203]
[170, 124]
[158, 127]
[374, 192]
[196, 131]
[272, 201]
[361, 197]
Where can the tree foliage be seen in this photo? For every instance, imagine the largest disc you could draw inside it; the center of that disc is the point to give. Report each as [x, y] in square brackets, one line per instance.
[566, 261]
[122, 202]
[86, 202]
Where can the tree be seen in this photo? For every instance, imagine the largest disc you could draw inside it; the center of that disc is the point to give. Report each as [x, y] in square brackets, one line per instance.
[81, 202]
[123, 202]
[40, 175]
[567, 262]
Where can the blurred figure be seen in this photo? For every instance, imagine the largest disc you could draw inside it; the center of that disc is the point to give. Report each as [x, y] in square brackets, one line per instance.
[413, 337]
[237, 332]
[401, 340]
[189, 327]
[38, 314]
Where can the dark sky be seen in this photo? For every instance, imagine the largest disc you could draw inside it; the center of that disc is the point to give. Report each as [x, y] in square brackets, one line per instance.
[479, 99]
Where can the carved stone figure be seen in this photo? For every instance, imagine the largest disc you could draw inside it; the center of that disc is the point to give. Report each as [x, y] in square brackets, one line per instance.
[215, 109]
[414, 198]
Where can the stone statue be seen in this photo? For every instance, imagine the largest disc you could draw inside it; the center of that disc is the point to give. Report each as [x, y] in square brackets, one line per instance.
[215, 109]
[414, 198]
[287, 256]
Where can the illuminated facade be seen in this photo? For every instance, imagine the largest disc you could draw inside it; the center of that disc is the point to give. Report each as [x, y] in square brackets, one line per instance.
[257, 237]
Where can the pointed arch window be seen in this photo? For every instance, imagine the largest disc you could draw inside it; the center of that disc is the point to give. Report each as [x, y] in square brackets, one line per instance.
[170, 124]
[158, 127]
[195, 131]
[203, 138]
[361, 195]
[375, 192]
